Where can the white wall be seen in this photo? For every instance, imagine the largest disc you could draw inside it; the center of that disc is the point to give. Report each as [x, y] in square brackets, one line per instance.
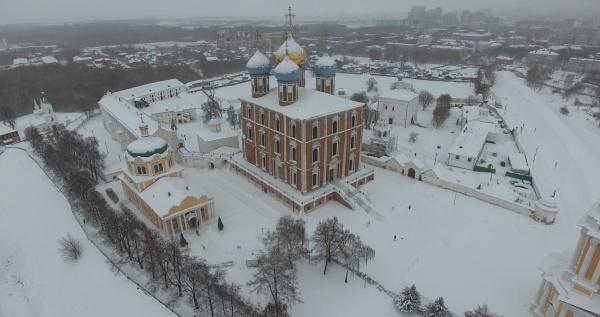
[462, 161]
[401, 111]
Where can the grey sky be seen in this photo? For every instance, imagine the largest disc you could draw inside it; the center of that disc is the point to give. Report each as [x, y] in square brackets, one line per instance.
[12, 11]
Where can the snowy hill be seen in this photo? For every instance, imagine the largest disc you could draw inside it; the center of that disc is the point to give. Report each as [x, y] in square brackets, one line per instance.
[34, 280]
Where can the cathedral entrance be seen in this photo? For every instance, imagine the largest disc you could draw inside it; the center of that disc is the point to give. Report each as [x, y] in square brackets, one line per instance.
[332, 174]
[411, 173]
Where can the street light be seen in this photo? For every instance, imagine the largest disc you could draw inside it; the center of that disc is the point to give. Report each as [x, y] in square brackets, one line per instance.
[536, 149]
[505, 107]
[554, 194]
[456, 192]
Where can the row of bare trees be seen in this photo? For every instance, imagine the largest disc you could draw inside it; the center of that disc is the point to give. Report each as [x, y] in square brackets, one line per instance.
[276, 277]
[168, 266]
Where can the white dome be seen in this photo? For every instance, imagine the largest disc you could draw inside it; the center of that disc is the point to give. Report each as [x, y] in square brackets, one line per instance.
[547, 204]
[258, 60]
[147, 147]
[325, 61]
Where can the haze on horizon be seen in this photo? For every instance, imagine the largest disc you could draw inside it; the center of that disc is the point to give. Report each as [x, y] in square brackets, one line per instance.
[43, 11]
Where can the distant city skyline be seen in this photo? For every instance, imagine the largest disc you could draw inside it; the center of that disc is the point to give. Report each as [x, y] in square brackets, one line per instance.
[43, 11]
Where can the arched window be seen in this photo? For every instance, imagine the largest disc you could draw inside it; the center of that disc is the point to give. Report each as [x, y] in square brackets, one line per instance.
[158, 168]
[277, 146]
[293, 154]
[351, 165]
[294, 131]
[352, 141]
[249, 133]
[262, 118]
[334, 149]
[141, 170]
[315, 157]
[335, 126]
[262, 139]
[315, 132]
[277, 124]
[315, 178]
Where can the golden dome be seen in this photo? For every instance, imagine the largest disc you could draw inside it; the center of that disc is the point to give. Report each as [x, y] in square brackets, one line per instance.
[294, 51]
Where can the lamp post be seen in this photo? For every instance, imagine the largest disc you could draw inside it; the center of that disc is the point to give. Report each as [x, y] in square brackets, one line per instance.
[456, 192]
[534, 155]
[505, 107]
[554, 194]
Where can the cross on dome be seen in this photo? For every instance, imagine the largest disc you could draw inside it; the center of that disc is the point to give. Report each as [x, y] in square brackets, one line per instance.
[289, 15]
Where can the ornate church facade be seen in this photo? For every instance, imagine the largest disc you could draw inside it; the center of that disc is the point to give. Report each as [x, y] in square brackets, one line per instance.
[297, 141]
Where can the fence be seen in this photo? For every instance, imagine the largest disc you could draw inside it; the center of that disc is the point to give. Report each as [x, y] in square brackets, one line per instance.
[484, 169]
[519, 176]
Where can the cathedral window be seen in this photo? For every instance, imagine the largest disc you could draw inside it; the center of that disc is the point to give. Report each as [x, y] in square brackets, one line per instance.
[277, 124]
[315, 178]
[277, 146]
[351, 165]
[262, 139]
[352, 141]
[294, 178]
[294, 131]
[315, 155]
[335, 126]
[250, 134]
[158, 168]
[334, 149]
[262, 118]
[315, 132]
[353, 120]
[293, 154]
[141, 170]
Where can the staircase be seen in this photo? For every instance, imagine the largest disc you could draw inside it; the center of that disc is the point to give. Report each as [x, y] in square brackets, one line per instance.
[355, 197]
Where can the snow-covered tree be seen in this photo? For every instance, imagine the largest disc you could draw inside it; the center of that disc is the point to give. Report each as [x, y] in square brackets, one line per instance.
[274, 278]
[232, 117]
[328, 241]
[290, 238]
[413, 137]
[409, 300]
[481, 311]
[173, 125]
[436, 309]
[211, 109]
[425, 99]
[354, 253]
[372, 85]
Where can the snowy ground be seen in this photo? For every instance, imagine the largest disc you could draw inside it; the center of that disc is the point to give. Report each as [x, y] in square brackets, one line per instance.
[470, 253]
[34, 280]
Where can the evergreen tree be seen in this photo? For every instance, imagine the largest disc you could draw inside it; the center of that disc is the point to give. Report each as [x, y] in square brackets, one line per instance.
[220, 224]
[409, 300]
[436, 309]
[182, 242]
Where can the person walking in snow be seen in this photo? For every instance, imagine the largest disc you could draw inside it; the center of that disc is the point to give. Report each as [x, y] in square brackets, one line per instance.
[394, 237]
[409, 206]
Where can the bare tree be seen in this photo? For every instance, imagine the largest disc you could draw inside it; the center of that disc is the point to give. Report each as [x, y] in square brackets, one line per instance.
[232, 117]
[211, 109]
[275, 278]
[413, 137]
[440, 114]
[290, 238]
[481, 311]
[372, 85]
[444, 100]
[354, 252]
[360, 97]
[328, 241]
[87, 105]
[7, 115]
[36, 139]
[70, 248]
[425, 99]
[192, 278]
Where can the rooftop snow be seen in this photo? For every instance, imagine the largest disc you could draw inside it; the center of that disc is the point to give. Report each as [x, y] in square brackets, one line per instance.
[286, 66]
[292, 47]
[5, 129]
[146, 144]
[157, 195]
[141, 91]
[543, 51]
[172, 104]
[128, 115]
[471, 140]
[310, 104]
[325, 61]
[400, 94]
[258, 60]
[49, 60]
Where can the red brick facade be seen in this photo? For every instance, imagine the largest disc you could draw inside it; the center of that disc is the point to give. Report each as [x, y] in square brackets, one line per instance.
[269, 140]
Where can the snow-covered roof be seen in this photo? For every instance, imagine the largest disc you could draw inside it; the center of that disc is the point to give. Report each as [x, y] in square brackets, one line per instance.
[172, 104]
[518, 161]
[471, 139]
[207, 135]
[20, 61]
[143, 90]
[6, 130]
[169, 192]
[127, 114]
[49, 60]
[400, 94]
[310, 104]
[543, 51]
[471, 113]
[149, 144]
[81, 58]
[286, 67]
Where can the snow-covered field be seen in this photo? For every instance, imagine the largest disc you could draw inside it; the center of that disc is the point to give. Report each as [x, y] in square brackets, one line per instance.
[34, 280]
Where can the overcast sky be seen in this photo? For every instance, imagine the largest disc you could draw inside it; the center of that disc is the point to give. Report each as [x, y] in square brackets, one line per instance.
[14, 11]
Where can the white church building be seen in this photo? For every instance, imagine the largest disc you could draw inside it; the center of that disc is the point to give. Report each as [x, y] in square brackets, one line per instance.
[399, 106]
